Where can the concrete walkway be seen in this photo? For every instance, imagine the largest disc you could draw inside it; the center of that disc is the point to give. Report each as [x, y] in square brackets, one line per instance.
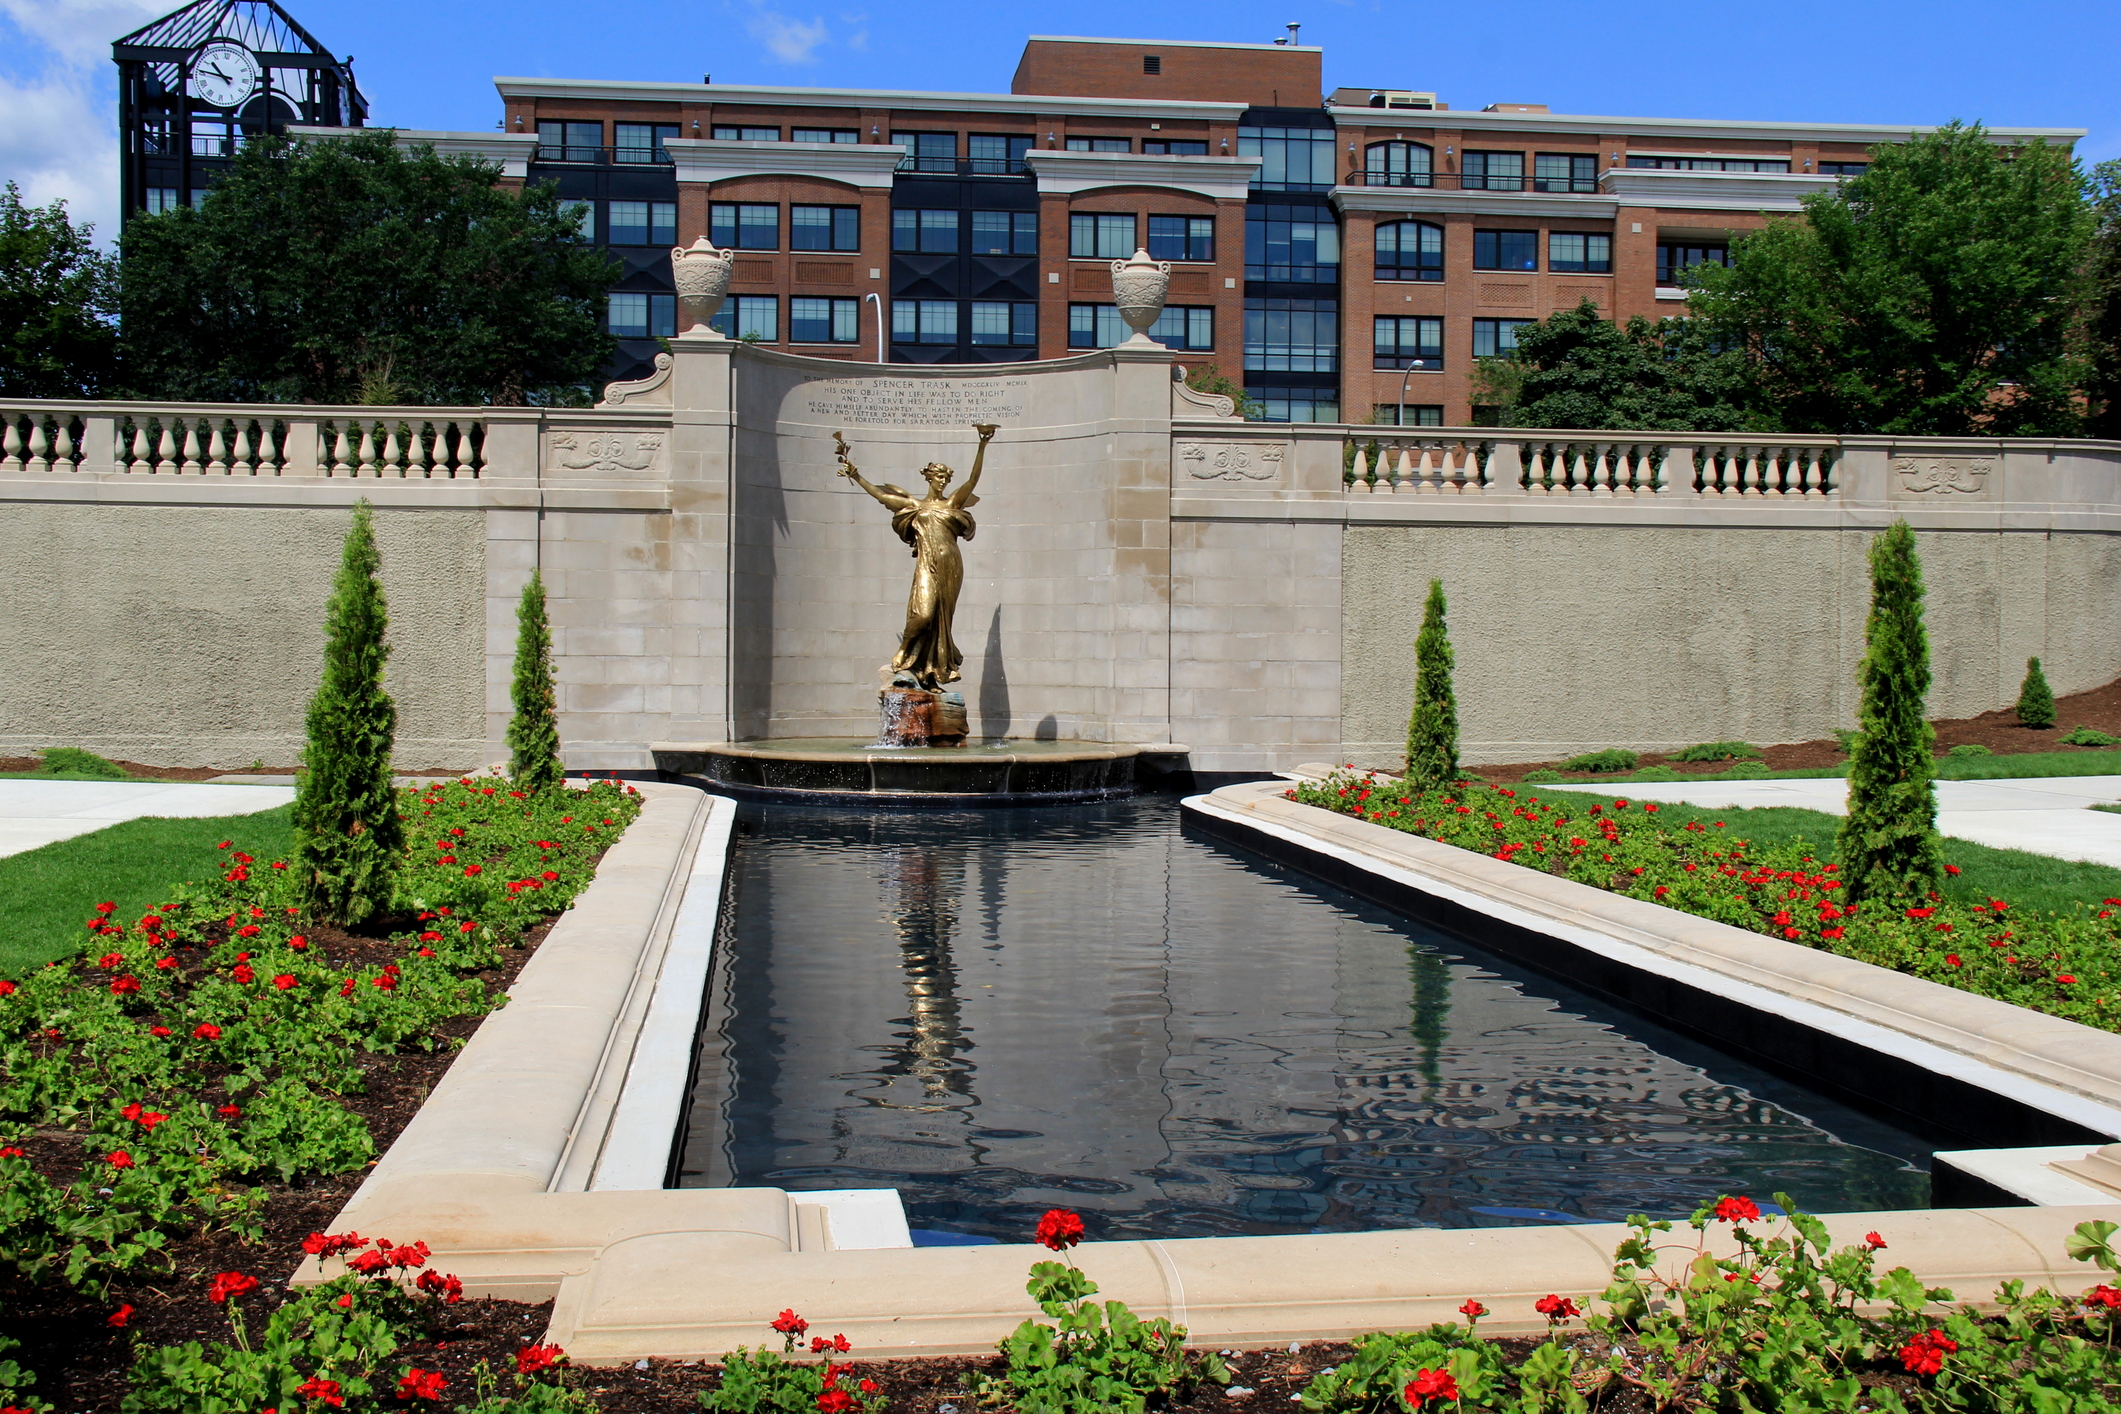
[2046, 815]
[34, 813]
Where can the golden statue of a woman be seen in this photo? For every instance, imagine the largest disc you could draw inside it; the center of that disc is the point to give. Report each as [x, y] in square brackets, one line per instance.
[931, 525]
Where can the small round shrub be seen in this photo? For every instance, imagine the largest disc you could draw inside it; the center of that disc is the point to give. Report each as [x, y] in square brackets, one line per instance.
[1970, 749]
[1616, 758]
[1541, 777]
[1720, 751]
[1745, 771]
[2090, 736]
[73, 761]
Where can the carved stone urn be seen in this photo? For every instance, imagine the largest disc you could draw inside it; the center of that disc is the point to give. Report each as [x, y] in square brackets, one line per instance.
[702, 276]
[1138, 289]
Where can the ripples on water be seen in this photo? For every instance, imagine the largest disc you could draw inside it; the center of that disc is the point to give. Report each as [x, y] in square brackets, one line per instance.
[996, 1012]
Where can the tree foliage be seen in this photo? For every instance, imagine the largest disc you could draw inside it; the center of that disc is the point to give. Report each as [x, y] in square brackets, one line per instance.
[1938, 293]
[2036, 700]
[1432, 730]
[350, 270]
[534, 730]
[57, 292]
[1578, 370]
[348, 836]
[1888, 841]
[2103, 314]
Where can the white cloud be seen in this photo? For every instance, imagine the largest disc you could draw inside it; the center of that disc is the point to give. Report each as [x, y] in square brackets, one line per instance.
[59, 113]
[791, 41]
[80, 32]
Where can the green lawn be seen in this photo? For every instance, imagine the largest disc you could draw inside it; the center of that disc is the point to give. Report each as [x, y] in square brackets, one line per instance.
[2026, 766]
[47, 894]
[2021, 878]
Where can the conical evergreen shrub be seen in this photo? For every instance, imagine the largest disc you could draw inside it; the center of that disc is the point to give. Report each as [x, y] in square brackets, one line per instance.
[1432, 730]
[348, 837]
[1888, 843]
[534, 730]
[2036, 700]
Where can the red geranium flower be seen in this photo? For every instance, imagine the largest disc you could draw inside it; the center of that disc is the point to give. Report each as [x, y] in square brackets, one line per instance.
[1737, 1209]
[1431, 1384]
[1059, 1229]
[1557, 1308]
[1473, 1310]
[1924, 1355]
[533, 1358]
[119, 1159]
[320, 1244]
[471, 869]
[285, 981]
[1873, 1241]
[835, 1401]
[819, 1345]
[119, 1317]
[790, 1324]
[443, 1285]
[326, 1391]
[421, 1384]
[206, 1031]
[229, 1285]
[119, 986]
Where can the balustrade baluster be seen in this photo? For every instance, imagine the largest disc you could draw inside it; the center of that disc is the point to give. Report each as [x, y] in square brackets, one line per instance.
[341, 451]
[63, 444]
[194, 458]
[216, 448]
[239, 460]
[143, 461]
[1600, 461]
[478, 453]
[391, 451]
[39, 448]
[166, 463]
[416, 450]
[11, 443]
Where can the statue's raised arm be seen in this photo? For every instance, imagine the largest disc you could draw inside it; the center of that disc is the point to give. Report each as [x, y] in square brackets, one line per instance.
[886, 495]
[963, 496]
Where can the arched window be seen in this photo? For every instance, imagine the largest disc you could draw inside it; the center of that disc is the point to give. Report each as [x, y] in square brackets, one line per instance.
[1409, 250]
[1397, 164]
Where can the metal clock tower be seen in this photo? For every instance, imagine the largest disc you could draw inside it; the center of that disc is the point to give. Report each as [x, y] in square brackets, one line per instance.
[195, 83]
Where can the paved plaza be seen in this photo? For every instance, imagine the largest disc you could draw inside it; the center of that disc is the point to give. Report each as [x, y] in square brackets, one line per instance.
[34, 813]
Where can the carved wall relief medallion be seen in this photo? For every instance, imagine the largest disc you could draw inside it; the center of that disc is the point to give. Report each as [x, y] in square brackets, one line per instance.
[1943, 476]
[607, 452]
[1233, 461]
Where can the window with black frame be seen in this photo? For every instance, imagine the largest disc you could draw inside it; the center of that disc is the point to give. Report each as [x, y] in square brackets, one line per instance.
[641, 142]
[1292, 335]
[1291, 244]
[631, 314]
[1005, 233]
[739, 133]
[1708, 164]
[641, 223]
[1187, 328]
[1409, 342]
[1398, 164]
[570, 142]
[1409, 250]
[1491, 171]
[1675, 258]
[752, 317]
[853, 135]
[1497, 338]
[1182, 237]
[1506, 250]
[584, 216]
[916, 232]
[924, 321]
[1100, 144]
[1564, 172]
[1173, 147]
[824, 228]
[1579, 253]
[1100, 235]
[1416, 414]
[997, 323]
[744, 225]
[1290, 159]
[824, 321]
[1843, 169]
[928, 152]
[997, 154]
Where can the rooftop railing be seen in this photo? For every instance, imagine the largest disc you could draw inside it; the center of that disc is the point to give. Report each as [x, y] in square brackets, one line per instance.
[1459, 181]
[604, 156]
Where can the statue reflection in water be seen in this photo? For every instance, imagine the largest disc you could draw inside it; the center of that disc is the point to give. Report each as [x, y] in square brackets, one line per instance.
[924, 915]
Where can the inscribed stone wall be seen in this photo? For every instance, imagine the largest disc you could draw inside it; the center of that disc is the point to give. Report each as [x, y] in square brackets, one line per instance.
[192, 636]
[1576, 638]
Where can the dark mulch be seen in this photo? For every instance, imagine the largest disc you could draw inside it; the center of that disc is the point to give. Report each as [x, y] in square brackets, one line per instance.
[1999, 731]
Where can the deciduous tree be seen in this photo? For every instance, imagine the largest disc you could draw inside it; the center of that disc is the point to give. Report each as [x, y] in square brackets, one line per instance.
[57, 293]
[1576, 369]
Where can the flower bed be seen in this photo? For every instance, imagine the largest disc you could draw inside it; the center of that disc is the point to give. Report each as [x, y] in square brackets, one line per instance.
[2062, 964]
[178, 1092]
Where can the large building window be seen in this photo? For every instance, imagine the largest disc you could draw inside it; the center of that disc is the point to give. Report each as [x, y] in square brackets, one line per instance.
[1492, 171]
[1005, 233]
[582, 213]
[755, 317]
[1099, 236]
[1291, 159]
[927, 152]
[1100, 144]
[824, 321]
[1506, 250]
[1710, 164]
[161, 199]
[1409, 250]
[744, 225]
[570, 142]
[1843, 169]
[1005, 322]
[641, 223]
[1292, 335]
[1417, 414]
[824, 228]
[1173, 147]
[1564, 171]
[1409, 343]
[633, 315]
[998, 154]
[924, 321]
[1098, 326]
[1295, 244]
[743, 134]
[1574, 252]
[1398, 164]
[1674, 260]
[641, 142]
[1182, 237]
[825, 135]
[1280, 404]
[924, 232]
[1497, 338]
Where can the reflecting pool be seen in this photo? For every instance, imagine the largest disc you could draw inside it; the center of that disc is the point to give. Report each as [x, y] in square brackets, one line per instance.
[997, 1012]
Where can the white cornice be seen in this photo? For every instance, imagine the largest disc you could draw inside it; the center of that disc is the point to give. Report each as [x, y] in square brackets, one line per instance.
[1027, 106]
[511, 150]
[1223, 178]
[1532, 124]
[702, 159]
[1414, 201]
[1711, 191]
[1265, 46]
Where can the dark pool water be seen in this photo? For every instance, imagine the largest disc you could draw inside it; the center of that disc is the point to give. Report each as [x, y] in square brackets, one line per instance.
[997, 1012]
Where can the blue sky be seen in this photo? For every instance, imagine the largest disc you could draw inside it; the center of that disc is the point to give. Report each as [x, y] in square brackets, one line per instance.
[431, 65]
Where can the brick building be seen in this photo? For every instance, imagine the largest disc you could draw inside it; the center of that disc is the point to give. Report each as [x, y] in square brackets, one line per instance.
[1351, 253]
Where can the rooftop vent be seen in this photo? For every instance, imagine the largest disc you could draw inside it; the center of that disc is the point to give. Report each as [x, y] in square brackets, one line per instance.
[1402, 98]
[1152, 63]
[1515, 108]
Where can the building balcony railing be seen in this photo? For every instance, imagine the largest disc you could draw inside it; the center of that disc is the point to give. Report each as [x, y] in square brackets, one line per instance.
[966, 166]
[604, 156]
[1459, 181]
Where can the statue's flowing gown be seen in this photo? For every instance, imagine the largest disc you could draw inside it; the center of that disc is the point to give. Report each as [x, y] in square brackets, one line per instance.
[933, 528]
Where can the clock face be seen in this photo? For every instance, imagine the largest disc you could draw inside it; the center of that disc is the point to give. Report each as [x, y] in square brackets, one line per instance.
[225, 74]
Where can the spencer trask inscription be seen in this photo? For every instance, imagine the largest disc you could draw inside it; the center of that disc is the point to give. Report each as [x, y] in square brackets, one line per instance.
[916, 402]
